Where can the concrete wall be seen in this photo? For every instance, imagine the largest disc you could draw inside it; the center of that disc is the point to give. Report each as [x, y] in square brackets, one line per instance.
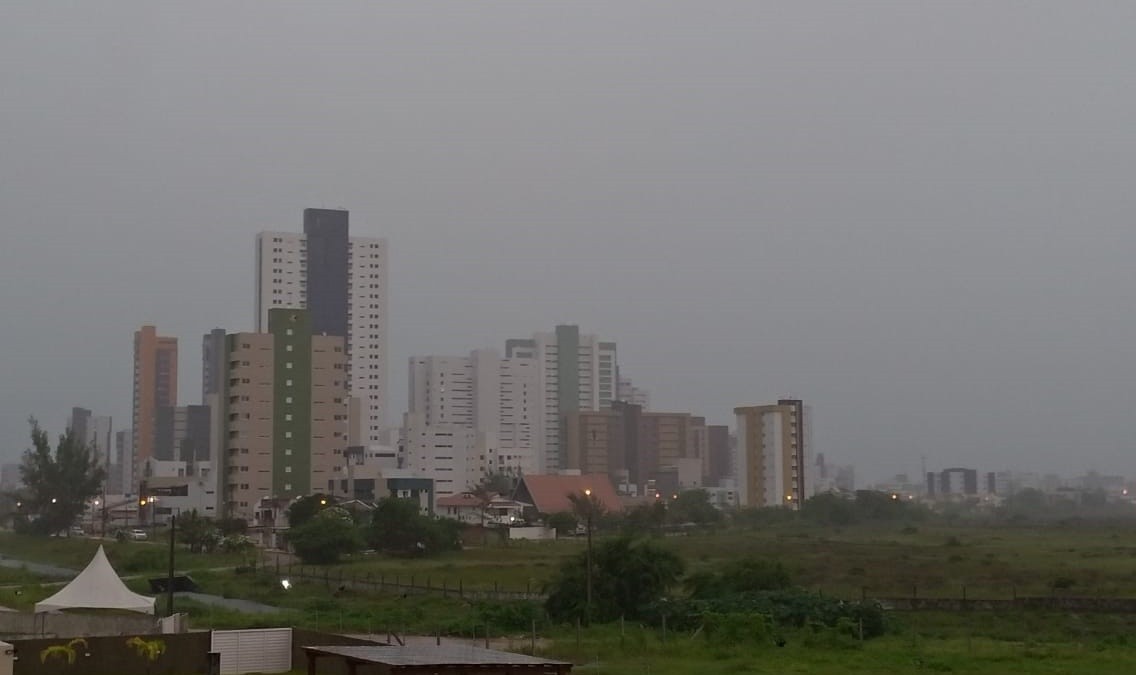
[27, 625]
[184, 653]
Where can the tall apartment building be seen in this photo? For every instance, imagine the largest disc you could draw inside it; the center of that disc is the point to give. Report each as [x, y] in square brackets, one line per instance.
[774, 454]
[453, 456]
[575, 372]
[182, 434]
[342, 281]
[118, 482]
[212, 363]
[719, 453]
[155, 386]
[79, 423]
[634, 447]
[497, 398]
[284, 412]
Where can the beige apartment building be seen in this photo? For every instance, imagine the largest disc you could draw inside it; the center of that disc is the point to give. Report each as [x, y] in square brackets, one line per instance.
[774, 453]
[285, 412]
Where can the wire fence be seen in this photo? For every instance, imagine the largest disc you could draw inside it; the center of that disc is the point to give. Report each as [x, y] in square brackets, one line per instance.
[343, 580]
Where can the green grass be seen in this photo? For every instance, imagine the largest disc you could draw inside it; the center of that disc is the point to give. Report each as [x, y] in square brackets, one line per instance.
[892, 560]
[127, 557]
[889, 560]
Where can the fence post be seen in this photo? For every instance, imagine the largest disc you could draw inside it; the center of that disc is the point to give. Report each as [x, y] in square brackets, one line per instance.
[444, 592]
[664, 629]
[577, 632]
[461, 590]
[427, 585]
[327, 577]
[487, 636]
[532, 640]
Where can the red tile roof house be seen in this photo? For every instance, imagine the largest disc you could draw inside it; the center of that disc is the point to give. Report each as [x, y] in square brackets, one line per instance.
[549, 493]
[464, 507]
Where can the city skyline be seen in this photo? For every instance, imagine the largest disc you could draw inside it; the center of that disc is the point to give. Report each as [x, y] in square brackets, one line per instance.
[914, 218]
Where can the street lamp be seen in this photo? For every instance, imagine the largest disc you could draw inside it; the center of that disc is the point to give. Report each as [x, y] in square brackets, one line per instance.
[588, 516]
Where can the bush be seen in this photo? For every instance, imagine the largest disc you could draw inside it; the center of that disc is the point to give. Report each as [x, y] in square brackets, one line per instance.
[736, 628]
[741, 576]
[627, 575]
[1062, 583]
[325, 537]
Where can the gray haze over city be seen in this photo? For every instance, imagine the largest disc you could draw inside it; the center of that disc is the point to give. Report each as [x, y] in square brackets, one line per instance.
[915, 216]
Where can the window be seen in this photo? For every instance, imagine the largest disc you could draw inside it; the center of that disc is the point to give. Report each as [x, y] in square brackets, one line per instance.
[287, 434]
[287, 469]
[288, 417]
[287, 348]
[287, 486]
[287, 399]
[287, 383]
[287, 452]
[288, 365]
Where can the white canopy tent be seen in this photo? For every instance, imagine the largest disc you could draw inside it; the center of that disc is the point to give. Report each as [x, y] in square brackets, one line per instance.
[97, 587]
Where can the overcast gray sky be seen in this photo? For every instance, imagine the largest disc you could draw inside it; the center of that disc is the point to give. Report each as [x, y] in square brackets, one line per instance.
[917, 216]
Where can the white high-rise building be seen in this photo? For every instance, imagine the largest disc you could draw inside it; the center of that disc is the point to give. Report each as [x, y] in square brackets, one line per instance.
[454, 456]
[342, 281]
[575, 372]
[496, 398]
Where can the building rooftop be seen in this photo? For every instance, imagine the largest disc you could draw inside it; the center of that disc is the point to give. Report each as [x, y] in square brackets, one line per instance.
[549, 493]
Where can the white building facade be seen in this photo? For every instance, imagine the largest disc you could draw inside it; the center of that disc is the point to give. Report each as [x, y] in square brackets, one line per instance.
[343, 281]
[574, 372]
[496, 398]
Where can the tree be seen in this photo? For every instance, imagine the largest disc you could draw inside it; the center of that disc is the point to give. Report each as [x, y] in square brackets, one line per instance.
[693, 506]
[304, 508]
[197, 532]
[628, 575]
[397, 527]
[587, 508]
[500, 482]
[61, 483]
[563, 522]
[325, 537]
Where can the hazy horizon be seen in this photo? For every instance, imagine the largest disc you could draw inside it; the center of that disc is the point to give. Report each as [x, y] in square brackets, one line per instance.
[912, 215]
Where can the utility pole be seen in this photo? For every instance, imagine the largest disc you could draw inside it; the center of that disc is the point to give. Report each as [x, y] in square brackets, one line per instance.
[170, 578]
[588, 602]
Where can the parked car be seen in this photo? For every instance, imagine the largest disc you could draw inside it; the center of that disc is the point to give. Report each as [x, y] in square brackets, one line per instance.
[139, 535]
[76, 531]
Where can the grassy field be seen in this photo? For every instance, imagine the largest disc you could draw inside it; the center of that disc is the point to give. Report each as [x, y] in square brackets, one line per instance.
[127, 557]
[888, 560]
[884, 561]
